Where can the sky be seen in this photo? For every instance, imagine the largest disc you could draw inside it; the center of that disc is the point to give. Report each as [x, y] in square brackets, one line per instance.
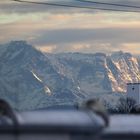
[59, 29]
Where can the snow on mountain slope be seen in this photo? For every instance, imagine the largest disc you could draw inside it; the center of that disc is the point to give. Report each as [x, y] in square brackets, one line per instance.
[33, 80]
[128, 69]
[100, 73]
[29, 80]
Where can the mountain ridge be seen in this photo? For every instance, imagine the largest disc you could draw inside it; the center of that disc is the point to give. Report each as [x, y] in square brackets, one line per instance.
[35, 80]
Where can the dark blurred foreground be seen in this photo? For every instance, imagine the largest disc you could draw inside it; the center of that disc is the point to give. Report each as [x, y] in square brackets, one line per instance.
[88, 122]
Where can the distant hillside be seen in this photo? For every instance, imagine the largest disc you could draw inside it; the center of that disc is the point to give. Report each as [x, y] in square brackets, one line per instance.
[32, 80]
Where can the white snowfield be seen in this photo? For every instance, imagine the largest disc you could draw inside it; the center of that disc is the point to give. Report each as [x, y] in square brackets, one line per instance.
[124, 124]
[36, 77]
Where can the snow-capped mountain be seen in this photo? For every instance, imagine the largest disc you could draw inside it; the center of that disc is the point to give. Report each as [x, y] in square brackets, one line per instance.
[31, 79]
[127, 69]
[99, 73]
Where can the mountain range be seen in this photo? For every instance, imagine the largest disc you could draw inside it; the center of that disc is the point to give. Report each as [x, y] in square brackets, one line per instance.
[31, 79]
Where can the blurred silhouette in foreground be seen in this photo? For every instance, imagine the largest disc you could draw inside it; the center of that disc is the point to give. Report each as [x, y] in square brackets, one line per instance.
[97, 107]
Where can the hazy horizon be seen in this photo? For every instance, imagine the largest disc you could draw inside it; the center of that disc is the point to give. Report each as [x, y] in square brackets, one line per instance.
[42, 50]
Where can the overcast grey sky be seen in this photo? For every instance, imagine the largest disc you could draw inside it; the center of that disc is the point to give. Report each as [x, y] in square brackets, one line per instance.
[57, 29]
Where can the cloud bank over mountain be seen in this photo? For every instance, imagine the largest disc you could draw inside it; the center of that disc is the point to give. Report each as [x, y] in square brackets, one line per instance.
[59, 29]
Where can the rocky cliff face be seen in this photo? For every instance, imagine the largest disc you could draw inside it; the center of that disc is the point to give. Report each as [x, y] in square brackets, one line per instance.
[99, 72]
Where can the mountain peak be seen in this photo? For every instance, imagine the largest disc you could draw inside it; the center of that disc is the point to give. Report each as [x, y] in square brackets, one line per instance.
[18, 42]
[19, 51]
[120, 55]
[18, 45]
[117, 53]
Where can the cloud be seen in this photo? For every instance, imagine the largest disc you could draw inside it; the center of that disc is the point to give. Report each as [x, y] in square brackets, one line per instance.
[101, 35]
[92, 48]
[48, 49]
[131, 47]
[16, 7]
[25, 8]
[55, 29]
[91, 40]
